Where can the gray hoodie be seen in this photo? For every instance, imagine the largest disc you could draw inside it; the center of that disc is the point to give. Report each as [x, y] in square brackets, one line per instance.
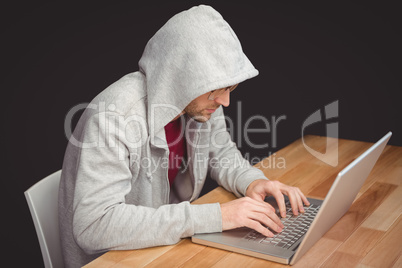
[114, 191]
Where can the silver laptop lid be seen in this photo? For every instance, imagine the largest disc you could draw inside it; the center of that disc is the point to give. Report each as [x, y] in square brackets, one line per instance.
[341, 195]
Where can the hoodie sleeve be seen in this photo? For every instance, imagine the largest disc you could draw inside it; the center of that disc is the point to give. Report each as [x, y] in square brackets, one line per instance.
[103, 221]
[227, 166]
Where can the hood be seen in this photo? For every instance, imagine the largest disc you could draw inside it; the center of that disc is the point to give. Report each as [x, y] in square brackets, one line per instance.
[196, 51]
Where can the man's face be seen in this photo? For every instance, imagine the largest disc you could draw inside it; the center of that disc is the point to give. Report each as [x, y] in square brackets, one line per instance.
[201, 108]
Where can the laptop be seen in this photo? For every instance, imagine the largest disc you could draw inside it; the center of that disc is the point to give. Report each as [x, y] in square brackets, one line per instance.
[303, 231]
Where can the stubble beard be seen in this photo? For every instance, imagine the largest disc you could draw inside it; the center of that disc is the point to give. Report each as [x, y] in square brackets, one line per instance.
[193, 111]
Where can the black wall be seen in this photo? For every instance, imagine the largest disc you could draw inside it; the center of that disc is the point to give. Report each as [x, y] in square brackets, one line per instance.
[56, 56]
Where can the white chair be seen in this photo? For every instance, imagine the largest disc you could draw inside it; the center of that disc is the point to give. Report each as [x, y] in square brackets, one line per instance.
[42, 200]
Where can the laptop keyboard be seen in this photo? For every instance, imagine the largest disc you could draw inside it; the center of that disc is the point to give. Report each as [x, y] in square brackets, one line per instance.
[295, 228]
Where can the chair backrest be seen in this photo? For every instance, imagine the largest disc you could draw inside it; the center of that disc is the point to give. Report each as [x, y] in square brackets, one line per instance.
[42, 200]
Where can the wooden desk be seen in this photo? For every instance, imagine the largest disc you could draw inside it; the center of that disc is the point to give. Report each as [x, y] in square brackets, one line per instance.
[368, 235]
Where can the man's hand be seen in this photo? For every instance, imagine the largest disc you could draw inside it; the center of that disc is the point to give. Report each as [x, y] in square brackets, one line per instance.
[259, 189]
[247, 212]
[253, 212]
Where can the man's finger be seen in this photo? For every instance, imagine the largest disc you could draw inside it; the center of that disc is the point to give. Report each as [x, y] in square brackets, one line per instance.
[255, 225]
[264, 213]
[295, 201]
[304, 198]
[280, 200]
[272, 221]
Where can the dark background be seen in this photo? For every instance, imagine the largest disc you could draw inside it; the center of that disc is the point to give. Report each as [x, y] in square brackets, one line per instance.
[55, 56]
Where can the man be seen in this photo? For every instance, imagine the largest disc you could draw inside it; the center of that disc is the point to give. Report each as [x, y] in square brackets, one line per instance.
[142, 150]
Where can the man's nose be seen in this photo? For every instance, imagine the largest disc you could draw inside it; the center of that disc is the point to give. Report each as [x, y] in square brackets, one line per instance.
[224, 99]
